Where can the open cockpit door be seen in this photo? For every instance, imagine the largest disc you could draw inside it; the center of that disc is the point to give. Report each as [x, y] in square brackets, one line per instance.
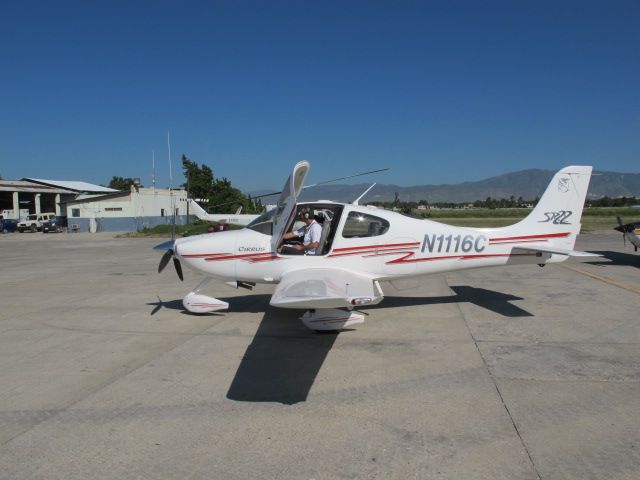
[287, 202]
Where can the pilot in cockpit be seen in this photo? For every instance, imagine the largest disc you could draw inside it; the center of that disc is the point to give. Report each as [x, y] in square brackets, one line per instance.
[310, 234]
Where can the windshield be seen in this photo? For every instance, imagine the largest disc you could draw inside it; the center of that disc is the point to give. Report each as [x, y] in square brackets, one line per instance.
[264, 223]
[32, 217]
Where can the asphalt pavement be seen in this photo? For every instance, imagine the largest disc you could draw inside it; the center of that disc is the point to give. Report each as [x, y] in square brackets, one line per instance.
[516, 372]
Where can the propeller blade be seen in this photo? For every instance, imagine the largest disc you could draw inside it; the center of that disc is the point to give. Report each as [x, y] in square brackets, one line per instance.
[176, 263]
[164, 260]
[168, 245]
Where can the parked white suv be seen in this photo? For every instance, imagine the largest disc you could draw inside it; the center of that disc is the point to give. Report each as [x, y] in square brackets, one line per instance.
[33, 223]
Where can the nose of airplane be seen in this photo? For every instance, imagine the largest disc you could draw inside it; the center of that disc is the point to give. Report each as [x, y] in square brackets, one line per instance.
[200, 251]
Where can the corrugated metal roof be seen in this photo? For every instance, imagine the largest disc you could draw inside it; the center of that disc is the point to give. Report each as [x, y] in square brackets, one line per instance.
[73, 185]
[24, 186]
[97, 198]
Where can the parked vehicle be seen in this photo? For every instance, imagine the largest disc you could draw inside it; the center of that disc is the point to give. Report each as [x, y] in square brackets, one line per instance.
[8, 225]
[55, 225]
[33, 223]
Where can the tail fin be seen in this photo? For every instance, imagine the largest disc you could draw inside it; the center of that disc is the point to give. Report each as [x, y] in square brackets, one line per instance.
[557, 215]
[198, 210]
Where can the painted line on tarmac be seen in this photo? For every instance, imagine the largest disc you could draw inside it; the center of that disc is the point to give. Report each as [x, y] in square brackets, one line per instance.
[608, 280]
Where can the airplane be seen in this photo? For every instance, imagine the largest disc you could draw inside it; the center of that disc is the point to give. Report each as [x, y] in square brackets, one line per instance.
[236, 218]
[630, 231]
[360, 247]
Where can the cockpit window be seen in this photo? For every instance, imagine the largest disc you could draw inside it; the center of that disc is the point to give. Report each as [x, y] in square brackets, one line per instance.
[264, 223]
[363, 225]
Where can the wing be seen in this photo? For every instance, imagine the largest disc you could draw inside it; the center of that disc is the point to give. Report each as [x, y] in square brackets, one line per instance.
[325, 288]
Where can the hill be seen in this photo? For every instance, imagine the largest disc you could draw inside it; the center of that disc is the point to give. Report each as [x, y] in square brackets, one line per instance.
[527, 184]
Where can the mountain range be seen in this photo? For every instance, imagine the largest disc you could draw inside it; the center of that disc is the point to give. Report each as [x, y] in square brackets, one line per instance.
[527, 184]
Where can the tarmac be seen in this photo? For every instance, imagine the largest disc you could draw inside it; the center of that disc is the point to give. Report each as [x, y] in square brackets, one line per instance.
[515, 372]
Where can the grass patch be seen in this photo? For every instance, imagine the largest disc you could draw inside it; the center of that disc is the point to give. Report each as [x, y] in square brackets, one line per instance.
[164, 231]
[600, 218]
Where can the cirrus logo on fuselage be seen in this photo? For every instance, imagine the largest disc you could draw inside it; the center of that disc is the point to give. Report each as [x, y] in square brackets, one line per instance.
[251, 249]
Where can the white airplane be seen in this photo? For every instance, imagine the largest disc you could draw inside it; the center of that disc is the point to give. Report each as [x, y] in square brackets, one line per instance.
[235, 218]
[630, 231]
[360, 247]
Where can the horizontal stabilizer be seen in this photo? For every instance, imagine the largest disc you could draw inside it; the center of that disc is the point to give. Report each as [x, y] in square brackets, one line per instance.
[559, 251]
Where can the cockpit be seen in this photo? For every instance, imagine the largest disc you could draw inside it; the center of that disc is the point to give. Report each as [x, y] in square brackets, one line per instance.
[357, 224]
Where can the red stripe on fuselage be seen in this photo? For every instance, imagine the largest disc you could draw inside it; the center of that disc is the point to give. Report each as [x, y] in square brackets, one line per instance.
[410, 244]
[459, 257]
[531, 237]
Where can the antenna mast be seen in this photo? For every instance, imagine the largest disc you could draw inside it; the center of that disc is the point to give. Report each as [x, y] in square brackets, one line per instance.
[153, 170]
[171, 203]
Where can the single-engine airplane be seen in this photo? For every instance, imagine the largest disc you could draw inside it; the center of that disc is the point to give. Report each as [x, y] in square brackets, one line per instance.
[234, 218]
[359, 247]
[630, 231]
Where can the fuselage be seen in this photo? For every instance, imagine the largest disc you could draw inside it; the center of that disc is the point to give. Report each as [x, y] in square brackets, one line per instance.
[379, 243]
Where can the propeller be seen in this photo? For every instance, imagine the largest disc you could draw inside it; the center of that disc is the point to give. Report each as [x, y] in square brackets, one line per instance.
[624, 229]
[168, 255]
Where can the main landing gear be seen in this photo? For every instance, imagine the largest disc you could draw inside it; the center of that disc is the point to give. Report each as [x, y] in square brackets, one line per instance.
[330, 319]
[196, 302]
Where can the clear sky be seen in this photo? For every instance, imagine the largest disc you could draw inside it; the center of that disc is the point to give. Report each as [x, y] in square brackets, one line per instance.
[442, 92]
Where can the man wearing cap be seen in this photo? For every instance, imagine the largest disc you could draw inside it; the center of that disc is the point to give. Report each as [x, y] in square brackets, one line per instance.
[310, 233]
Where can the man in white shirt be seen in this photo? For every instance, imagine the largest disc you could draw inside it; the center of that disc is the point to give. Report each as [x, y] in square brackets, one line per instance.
[311, 232]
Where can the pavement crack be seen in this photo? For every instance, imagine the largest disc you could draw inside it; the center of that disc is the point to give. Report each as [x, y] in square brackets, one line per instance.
[495, 384]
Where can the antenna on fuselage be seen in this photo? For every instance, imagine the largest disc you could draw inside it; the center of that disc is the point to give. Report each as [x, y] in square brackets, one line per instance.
[355, 202]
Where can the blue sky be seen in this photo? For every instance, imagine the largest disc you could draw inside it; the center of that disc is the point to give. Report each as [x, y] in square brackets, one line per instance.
[442, 92]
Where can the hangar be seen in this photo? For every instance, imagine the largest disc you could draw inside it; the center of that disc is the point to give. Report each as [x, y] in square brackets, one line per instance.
[19, 198]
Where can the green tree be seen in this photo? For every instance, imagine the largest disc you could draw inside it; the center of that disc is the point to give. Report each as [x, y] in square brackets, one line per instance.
[122, 183]
[221, 196]
[200, 183]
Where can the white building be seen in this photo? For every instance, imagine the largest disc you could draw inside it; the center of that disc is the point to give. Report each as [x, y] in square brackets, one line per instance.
[127, 211]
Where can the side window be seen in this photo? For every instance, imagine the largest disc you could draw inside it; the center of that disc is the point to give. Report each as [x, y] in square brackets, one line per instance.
[364, 225]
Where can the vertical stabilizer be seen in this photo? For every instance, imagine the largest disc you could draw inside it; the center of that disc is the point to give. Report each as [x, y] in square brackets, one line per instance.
[559, 211]
[198, 210]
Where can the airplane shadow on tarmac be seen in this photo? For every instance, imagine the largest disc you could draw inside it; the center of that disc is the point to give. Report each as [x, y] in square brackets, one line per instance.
[284, 358]
[610, 258]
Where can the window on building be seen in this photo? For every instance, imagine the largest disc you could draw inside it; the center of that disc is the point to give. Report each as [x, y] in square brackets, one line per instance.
[162, 212]
[75, 212]
[363, 225]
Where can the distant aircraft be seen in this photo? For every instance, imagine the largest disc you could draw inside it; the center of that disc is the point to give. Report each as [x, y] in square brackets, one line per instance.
[630, 231]
[236, 218]
[358, 247]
